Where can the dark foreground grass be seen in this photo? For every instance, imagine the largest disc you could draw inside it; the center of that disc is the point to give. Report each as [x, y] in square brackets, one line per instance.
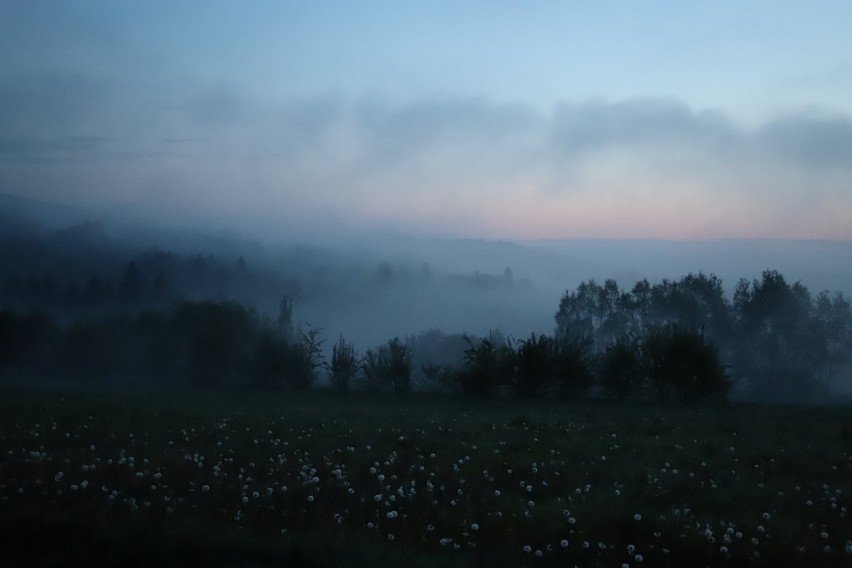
[315, 479]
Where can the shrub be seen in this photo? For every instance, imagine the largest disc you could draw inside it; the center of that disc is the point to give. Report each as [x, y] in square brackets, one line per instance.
[271, 362]
[344, 364]
[388, 367]
[576, 364]
[487, 365]
[621, 370]
[537, 364]
[682, 364]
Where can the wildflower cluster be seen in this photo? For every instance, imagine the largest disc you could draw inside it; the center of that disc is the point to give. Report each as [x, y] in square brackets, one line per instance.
[614, 487]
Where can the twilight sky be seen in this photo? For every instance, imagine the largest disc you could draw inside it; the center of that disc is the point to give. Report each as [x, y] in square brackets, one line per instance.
[497, 119]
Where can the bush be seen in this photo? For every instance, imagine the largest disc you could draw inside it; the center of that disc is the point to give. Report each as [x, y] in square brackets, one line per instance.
[681, 364]
[537, 365]
[621, 370]
[487, 365]
[271, 362]
[576, 364]
[388, 367]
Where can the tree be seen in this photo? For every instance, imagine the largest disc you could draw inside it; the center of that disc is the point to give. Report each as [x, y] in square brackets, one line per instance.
[277, 362]
[374, 371]
[602, 313]
[833, 330]
[344, 364]
[775, 349]
[285, 317]
[305, 357]
[696, 301]
[399, 365]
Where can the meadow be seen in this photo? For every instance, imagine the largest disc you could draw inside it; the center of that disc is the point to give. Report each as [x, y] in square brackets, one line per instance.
[325, 479]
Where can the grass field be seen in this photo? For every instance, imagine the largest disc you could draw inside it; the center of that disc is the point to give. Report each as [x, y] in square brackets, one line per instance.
[317, 479]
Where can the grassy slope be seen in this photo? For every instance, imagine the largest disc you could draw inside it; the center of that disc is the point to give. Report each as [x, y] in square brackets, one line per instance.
[676, 483]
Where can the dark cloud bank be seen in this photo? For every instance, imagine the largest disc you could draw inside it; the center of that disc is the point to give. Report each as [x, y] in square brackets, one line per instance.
[223, 156]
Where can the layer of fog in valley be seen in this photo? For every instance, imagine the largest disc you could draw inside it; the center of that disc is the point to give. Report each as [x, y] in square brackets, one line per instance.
[365, 287]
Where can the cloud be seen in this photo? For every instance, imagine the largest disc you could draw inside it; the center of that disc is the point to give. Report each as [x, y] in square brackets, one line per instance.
[53, 101]
[579, 129]
[639, 167]
[817, 144]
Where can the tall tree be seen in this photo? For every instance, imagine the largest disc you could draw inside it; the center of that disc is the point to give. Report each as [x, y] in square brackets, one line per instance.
[774, 347]
[833, 328]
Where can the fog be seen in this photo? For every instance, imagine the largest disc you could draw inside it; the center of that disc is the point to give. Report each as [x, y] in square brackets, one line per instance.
[371, 287]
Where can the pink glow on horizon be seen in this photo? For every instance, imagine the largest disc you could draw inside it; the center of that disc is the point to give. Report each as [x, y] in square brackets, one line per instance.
[612, 217]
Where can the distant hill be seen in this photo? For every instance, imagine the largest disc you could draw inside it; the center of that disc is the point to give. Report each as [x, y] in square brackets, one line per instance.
[22, 213]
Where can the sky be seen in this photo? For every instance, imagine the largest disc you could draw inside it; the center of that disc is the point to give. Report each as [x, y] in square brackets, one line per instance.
[499, 119]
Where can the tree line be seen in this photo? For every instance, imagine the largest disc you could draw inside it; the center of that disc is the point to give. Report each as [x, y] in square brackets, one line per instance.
[775, 339]
[676, 340]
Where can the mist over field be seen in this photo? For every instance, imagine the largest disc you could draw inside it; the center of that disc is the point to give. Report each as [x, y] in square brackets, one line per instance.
[369, 288]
